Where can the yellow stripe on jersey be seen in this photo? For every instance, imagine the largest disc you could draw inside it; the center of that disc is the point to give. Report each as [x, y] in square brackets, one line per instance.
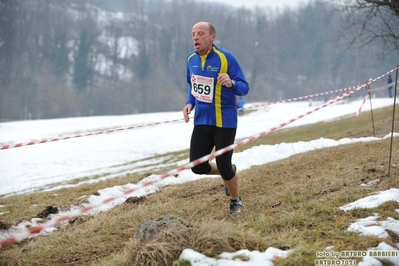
[218, 89]
[203, 60]
[188, 59]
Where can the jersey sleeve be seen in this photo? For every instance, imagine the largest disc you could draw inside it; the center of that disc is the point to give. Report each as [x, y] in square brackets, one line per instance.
[190, 97]
[236, 73]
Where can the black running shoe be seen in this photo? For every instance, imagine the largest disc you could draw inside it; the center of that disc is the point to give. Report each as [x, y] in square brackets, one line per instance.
[236, 207]
[226, 191]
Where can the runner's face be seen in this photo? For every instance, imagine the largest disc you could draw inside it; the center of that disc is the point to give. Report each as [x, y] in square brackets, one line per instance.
[202, 38]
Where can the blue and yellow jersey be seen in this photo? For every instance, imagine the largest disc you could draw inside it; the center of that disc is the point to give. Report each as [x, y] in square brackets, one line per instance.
[215, 105]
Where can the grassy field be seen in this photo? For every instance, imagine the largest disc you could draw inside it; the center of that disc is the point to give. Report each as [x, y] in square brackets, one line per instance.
[290, 204]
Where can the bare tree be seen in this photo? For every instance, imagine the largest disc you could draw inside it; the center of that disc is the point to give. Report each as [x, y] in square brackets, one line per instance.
[369, 22]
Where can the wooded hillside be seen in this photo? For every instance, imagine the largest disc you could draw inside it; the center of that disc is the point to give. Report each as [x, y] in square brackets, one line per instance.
[97, 57]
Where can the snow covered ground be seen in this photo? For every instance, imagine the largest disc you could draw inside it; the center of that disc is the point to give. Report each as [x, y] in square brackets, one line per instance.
[71, 162]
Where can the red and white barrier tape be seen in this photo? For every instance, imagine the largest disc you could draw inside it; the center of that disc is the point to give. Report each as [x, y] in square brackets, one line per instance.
[73, 214]
[361, 106]
[324, 93]
[17, 145]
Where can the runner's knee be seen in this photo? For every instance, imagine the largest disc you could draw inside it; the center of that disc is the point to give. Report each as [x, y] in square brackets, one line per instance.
[227, 172]
[201, 169]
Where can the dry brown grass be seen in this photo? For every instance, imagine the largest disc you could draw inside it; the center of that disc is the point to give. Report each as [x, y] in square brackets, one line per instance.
[292, 203]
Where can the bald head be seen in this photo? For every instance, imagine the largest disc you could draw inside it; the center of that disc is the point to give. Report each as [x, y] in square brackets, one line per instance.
[207, 25]
[203, 35]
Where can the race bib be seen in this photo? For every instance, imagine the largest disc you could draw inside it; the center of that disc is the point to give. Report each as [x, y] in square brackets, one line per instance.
[202, 88]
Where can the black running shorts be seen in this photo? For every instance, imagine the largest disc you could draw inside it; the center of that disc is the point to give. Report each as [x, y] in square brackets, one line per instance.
[203, 139]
